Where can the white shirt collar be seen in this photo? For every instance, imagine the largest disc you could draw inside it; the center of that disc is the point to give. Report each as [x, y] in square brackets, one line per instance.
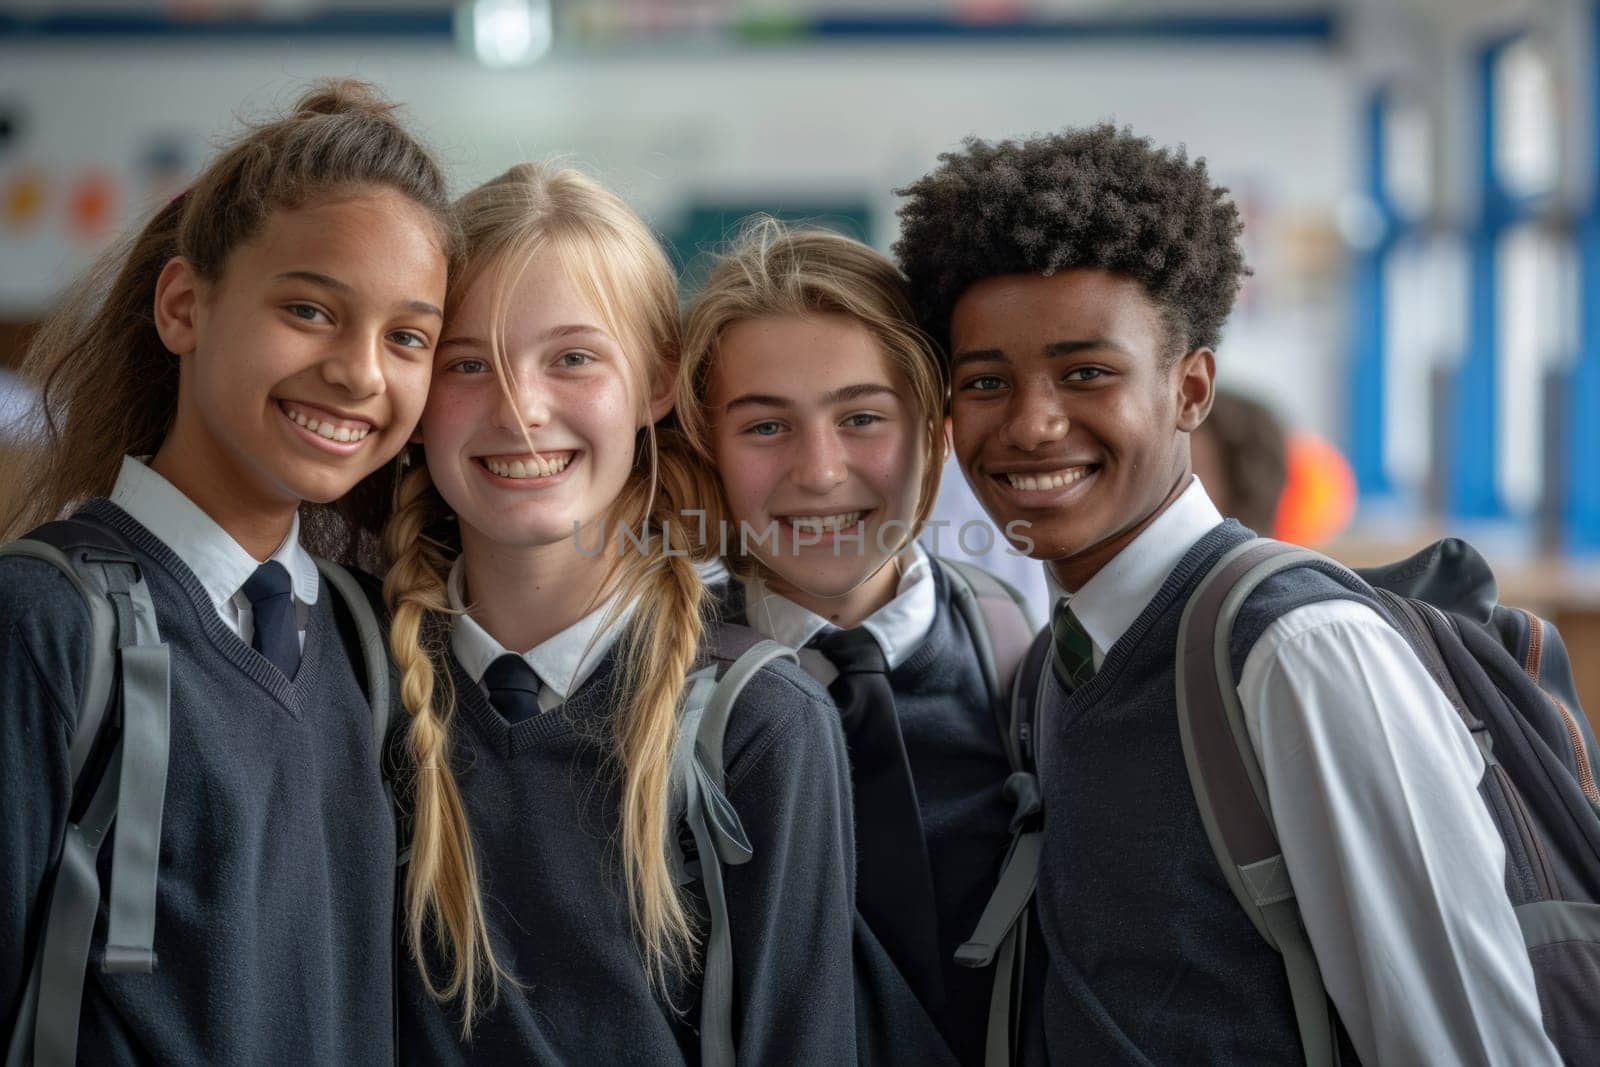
[220, 563]
[560, 661]
[1109, 602]
[899, 627]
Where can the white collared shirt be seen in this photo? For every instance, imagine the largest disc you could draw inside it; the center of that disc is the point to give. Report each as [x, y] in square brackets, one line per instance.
[220, 563]
[562, 662]
[899, 627]
[1372, 780]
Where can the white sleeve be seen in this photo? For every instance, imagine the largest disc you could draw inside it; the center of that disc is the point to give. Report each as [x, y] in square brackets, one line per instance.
[1372, 780]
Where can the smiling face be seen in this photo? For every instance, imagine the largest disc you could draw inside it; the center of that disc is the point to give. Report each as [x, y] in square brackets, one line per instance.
[571, 394]
[1068, 413]
[305, 365]
[815, 441]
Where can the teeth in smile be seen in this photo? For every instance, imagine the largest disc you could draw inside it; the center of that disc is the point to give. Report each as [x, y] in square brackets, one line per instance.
[529, 467]
[1050, 480]
[825, 523]
[325, 429]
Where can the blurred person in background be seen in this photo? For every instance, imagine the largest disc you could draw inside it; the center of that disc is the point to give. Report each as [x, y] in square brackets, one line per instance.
[1240, 457]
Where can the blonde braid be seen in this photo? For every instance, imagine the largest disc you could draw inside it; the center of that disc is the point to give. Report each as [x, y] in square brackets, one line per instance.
[663, 655]
[663, 645]
[442, 890]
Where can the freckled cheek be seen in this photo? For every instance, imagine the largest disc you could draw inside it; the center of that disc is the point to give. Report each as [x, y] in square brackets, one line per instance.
[750, 477]
[889, 471]
[603, 418]
[450, 418]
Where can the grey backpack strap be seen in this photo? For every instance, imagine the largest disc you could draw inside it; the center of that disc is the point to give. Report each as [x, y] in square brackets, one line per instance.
[1228, 785]
[97, 683]
[1001, 937]
[71, 910]
[369, 634]
[719, 837]
[1018, 875]
[126, 640]
[715, 724]
[1002, 630]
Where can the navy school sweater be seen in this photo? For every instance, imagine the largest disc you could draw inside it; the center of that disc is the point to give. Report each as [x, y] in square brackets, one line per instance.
[542, 802]
[273, 935]
[1151, 959]
[959, 767]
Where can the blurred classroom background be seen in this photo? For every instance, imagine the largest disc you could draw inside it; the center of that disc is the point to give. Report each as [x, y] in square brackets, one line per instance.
[1418, 179]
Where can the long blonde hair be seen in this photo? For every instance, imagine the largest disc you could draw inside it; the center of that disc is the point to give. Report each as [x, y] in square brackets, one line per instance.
[616, 261]
[109, 386]
[775, 270]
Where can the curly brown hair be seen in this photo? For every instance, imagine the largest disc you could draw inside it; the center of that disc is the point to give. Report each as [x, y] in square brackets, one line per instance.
[1096, 198]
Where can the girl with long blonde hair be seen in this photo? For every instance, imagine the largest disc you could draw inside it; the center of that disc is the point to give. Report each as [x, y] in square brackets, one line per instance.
[546, 612]
[808, 386]
[261, 348]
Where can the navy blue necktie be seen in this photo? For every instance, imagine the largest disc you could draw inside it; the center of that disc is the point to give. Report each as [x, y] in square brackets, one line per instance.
[272, 608]
[513, 687]
[894, 880]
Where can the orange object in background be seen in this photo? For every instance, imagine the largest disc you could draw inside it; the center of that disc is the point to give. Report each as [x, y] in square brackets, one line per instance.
[91, 205]
[23, 200]
[1319, 497]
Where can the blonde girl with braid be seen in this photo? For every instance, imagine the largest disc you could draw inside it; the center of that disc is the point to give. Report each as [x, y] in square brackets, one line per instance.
[546, 612]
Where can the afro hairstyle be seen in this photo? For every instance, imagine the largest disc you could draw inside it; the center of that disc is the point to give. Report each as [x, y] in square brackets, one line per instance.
[1096, 198]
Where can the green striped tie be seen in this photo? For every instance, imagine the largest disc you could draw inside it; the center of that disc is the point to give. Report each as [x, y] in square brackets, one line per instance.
[1074, 650]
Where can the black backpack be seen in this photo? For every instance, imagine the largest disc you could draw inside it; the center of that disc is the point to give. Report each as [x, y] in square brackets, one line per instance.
[1506, 673]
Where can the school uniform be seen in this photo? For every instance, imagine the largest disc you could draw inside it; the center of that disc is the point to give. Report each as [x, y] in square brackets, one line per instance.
[1372, 780]
[272, 936]
[958, 769]
[542, 799]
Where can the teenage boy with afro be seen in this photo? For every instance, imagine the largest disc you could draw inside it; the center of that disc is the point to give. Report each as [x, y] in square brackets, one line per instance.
[1079, 284]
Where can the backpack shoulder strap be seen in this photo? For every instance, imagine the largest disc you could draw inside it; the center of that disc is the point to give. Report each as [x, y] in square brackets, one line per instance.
[696, 787]
[125, 643]
[1226, 778]
[370, 644]
[1024, 699]
[96, 691]
[714, 724]
[1001, 936]
[997, 617]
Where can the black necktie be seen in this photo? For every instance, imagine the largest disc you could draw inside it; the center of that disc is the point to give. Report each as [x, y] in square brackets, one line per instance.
[513, 687]
[1074, 658]
[272, 608]
[894, 881]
